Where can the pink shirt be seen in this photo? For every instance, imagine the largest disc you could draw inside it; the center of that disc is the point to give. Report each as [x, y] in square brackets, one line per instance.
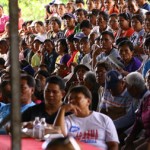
[20, 22]
[3, 21]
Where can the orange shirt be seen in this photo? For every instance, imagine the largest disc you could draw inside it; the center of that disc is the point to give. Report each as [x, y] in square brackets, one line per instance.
[114, 9]
[125, 33]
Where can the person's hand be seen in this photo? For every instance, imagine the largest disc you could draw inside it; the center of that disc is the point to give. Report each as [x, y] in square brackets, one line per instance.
[42, 50]
[73, 64]
[97, 52]
[123, 72]
[28, 125]
[71, 108]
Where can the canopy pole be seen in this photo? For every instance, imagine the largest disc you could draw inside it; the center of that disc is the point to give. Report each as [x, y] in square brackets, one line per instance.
[15, 76]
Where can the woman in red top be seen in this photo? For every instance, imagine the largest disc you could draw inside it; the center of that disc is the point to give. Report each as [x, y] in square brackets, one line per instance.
[125, 26]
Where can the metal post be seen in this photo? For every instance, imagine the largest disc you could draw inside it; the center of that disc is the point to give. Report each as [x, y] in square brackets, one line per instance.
[15, 75]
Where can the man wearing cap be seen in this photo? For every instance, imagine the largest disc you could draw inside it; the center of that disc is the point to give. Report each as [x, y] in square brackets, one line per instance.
[70, 23]
[117, 102]
[76, 41]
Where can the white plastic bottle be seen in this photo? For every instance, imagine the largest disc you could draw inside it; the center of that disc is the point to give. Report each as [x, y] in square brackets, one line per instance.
[43, 124]
[36, 127]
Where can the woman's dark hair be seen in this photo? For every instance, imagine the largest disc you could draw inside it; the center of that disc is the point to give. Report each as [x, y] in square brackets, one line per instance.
[103, 64]
[47, 9]
[105, 15]
[43, 65]
[113, 15]
[81, 89]
[43, 73]
[29, 22]
[64, 44]
[40, 23]
[126, 16]
[108, 33]
[139, 18]
[48, 40]
[118, 41]
[85, 24]
[81, 10]
[127, 43]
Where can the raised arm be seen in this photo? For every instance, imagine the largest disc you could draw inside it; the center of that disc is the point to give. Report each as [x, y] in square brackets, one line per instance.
[60, 119]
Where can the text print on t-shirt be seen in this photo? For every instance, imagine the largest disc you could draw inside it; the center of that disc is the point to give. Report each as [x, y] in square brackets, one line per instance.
[89, 136]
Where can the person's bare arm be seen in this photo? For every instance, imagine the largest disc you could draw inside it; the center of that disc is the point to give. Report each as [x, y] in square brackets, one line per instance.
[112, 145]
[60, 119]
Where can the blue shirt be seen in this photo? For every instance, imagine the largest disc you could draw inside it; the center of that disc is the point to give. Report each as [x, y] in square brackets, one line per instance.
[5, 110]
[2, 104]
[146, 67]
[146, 6]
[128, 119]
[50, 59]
[103, 56]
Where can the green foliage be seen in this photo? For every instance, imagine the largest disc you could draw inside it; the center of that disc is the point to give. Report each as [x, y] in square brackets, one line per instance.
[31, 9]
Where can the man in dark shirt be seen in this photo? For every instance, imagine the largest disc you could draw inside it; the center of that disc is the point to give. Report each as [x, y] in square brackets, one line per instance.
[53, 95]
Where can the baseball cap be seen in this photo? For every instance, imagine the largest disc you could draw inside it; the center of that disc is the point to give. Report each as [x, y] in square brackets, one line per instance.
[112, 78]
[68, 15]
[79, 35]
[55, 2]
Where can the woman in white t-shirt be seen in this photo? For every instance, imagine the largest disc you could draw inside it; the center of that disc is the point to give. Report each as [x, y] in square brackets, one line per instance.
[41, 33]
[85, 125]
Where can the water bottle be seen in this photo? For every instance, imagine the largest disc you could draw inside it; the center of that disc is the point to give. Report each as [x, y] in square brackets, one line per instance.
[36, 127]
[42, 128]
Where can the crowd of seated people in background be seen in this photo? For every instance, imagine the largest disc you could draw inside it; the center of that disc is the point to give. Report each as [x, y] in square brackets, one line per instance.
[85, 68]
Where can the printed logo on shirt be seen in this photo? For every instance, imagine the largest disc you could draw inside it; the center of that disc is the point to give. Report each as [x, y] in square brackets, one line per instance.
[74, 129]
[89, 136]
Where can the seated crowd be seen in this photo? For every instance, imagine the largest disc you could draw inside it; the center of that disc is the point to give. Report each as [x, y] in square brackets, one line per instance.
[85, 68]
